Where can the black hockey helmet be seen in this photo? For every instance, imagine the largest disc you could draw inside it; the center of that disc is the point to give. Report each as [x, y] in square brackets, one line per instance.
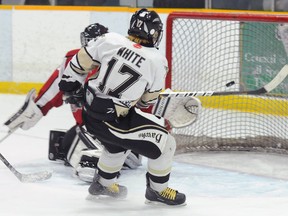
[92, 31]
[147, 25]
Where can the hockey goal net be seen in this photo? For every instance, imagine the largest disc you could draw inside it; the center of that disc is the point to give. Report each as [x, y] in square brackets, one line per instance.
[230, 52]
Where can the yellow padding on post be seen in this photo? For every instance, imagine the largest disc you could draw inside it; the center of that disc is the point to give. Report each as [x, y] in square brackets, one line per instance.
[250, 104]
[18, 87]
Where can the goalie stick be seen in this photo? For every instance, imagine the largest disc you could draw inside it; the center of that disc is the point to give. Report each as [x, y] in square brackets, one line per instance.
[32, 177]
[10, 131]
[265, 89]
[26, 178]
[7, 134]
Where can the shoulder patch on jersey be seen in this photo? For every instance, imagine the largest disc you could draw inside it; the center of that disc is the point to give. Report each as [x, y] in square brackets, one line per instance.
[71, 53]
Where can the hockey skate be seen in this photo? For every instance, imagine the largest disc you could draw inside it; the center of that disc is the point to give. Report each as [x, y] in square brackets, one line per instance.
[168, 196]
[115, 190]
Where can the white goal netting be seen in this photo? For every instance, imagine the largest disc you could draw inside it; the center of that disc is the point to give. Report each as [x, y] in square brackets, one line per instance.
[230, 52]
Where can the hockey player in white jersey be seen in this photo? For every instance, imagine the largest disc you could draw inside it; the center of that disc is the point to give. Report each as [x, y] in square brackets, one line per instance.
[76, 147]
[131, 76]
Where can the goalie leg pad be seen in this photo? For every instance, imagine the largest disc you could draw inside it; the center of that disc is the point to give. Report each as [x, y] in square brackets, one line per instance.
[82, 147]
[133, 161]
[55, 150]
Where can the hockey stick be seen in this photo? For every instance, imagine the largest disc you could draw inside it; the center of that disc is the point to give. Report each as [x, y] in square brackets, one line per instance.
[9, 132]
[25, 178]
[33, 177]
[7, 135]
[267, 88]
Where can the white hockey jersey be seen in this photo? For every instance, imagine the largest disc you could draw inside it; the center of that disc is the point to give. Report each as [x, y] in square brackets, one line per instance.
[129, 74]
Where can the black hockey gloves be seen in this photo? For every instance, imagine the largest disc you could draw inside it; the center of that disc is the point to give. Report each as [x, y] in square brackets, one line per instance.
[74, 97]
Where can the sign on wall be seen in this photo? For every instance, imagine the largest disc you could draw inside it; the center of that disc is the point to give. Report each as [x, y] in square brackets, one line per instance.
[262, 56]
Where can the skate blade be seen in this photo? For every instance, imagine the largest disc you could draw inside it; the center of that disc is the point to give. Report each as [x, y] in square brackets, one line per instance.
[160, 204]
[99, 198]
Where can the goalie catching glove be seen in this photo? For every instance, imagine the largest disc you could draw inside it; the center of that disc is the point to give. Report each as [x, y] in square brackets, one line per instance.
[179, 112]
[27, 116]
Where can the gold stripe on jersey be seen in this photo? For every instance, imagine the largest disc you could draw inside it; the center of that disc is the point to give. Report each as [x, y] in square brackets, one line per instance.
[137, 128]
[149, 97]
[85, 62]
[123, 110]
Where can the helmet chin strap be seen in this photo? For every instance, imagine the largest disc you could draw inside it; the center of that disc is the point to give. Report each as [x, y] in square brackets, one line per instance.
[158, 40]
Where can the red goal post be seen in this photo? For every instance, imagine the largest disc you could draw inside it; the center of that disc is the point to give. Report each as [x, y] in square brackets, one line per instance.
[207, 51]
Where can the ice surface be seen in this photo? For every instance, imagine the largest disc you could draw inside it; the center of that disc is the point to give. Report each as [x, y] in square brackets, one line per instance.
[215, 184]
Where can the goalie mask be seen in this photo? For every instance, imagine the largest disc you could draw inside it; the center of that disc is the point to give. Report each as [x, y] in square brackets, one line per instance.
[148, 26]
[92, 31]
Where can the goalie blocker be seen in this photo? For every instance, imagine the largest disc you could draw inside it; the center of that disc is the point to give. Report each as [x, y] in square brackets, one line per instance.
[27, 116]
[79, 149]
